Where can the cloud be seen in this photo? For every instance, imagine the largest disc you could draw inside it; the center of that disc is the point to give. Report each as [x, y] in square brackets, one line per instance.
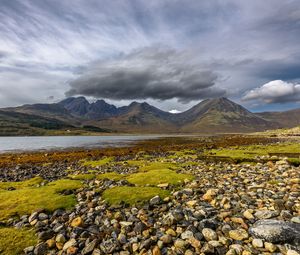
[243, 43]
[174, 111]
[157, 73]
[24, 87]
[276, 91]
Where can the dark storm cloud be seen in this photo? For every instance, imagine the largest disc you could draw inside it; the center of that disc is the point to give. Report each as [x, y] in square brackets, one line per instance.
[157, 73]
[279, 69]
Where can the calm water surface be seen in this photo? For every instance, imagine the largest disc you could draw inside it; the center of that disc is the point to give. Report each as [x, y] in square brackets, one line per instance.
[36, 143]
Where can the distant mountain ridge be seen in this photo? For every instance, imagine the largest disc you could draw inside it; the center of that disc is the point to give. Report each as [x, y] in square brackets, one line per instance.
[219, 115]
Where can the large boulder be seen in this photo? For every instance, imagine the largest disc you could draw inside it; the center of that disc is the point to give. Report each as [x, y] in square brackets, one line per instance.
[276, 231]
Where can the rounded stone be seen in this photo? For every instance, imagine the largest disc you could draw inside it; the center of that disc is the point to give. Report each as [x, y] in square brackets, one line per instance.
[77, 222]
[60, 238]
[166, 239]
[238, 234]
[209, 234]
[270, 247]
[257, 243]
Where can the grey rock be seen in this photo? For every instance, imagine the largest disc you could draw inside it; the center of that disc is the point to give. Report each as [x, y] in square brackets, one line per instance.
[40, 249]
[209, 234]
[72, 242]
[88, 249]
[29, 249]
[122, 238]
[60, 238]
[187, 192]
[166, 239]
[45, 235]
[139, 227]
[275, 231]
[33, 216]
[108, 246]
[43, 216]
[155, 200]
[266, 214]
[187, 235]
[296, 219]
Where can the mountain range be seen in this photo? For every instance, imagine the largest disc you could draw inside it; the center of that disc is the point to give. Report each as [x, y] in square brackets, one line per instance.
[219, 115]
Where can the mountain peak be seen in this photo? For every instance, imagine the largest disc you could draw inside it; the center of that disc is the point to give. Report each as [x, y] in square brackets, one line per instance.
[76, 105]
[69, 100]
[210, 115]
[219, 100]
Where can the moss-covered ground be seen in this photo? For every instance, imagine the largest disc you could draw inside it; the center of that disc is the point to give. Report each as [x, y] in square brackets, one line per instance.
[82, 176]
[250, 152]
[155, 177]
[21, 185]
[111, 176]
[26, 198]
[14, 241]
[96, 163]
[132, 195]
[150, 173]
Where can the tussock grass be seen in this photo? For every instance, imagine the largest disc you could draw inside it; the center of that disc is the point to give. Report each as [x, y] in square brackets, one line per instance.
[14, 241]
[132, 195]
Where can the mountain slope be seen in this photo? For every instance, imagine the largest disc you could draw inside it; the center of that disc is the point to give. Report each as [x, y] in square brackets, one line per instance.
[209, 116]
[14, 123]
[139, 117]
[80, 107]
[53, 111]
[221, 115]
[285, 119]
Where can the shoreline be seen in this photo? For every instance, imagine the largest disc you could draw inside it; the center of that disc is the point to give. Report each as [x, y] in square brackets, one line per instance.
[160, 144]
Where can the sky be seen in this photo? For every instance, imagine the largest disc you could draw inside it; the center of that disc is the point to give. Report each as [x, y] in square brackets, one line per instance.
[169, 53]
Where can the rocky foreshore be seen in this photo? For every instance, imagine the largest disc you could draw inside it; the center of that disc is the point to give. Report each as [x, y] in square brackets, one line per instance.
[227, 209]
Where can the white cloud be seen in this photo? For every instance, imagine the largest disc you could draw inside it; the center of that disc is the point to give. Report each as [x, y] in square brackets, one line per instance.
[174, 111]
[276, 91]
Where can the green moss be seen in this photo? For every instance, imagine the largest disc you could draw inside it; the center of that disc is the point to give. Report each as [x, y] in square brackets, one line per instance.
[132, 195]
[20, 185]
[14, 241]
[294, 161]
[27, 199]
[243, 153]
[82, 176]
[111, 176]
[145, 166]
[96, 163]
[183, 154]
[156, 177]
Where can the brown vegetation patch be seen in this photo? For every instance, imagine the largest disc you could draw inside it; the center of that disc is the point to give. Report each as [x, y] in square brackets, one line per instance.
[150, 146]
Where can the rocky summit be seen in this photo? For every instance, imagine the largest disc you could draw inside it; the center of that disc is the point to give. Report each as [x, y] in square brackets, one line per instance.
[226, 208]
[78, 116]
